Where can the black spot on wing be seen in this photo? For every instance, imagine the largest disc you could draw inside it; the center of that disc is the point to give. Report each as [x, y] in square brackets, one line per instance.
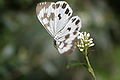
[67, 11]
[67, 36]
[64, 5]
[74, 33]
[57, 5]
[69, 14]
[77, 28]
[59, 16]
[53, 6]
[69, 29]
[73, 20]
[77, 22]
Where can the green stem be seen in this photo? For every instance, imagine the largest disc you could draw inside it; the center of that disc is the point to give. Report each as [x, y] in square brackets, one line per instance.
[90, 69]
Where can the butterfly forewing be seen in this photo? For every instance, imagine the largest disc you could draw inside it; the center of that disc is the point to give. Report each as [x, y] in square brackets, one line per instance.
[63, 12]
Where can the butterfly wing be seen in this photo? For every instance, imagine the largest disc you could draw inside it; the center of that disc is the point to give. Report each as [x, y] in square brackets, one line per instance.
[66, 38]
[46, 15]
[62, 12]
[53, 16]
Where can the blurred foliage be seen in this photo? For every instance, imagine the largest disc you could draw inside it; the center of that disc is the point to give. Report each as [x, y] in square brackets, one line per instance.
[27, 51]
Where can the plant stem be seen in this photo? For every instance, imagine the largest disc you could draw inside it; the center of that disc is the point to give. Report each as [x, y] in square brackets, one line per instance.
[90, 69]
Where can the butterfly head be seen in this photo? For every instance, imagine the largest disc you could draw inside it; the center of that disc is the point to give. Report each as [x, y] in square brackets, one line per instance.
[56, 43]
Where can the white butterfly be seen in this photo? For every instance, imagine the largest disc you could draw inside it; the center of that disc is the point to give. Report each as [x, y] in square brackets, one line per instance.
[56, 19]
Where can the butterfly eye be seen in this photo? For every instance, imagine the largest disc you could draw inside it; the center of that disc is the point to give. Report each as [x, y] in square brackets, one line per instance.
[54, 42]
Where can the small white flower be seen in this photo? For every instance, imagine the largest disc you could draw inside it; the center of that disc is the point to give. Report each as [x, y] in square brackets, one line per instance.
[91, 45]
[88, 34]
[85, 41]
[82, 45]
[81, 50]
[91, 39]
[84, 33]
[86, 44]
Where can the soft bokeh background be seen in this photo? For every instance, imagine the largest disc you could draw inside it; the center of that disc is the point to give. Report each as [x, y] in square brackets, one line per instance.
[27, 51]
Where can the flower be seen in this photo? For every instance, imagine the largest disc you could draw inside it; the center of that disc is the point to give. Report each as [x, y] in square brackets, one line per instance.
[85, 41]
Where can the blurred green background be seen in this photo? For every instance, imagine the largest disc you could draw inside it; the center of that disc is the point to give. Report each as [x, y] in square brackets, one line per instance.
[27, 51]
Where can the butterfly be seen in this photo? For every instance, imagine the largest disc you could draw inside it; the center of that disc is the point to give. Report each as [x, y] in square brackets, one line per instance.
[56, 17]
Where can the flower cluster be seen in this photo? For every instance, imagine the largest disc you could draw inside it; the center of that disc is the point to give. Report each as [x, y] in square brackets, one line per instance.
[85, 41]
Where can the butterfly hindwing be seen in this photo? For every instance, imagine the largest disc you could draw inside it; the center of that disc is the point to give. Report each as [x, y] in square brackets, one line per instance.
[65, 40]
[73, 25]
